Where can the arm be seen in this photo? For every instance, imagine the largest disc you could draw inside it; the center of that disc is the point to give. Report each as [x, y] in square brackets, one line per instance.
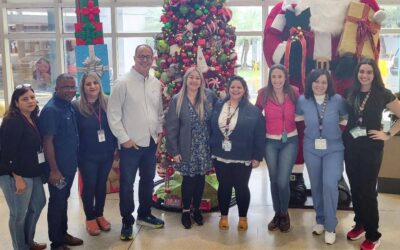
[259, 140]
[394, 107]
[50, 155]
[114, 116]
[172, 127]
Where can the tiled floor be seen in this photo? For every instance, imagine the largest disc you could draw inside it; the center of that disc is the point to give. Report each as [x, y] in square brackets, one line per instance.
[173, 236]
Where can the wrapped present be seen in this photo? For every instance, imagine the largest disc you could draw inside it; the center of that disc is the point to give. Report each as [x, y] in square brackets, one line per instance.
[93, 58]
[89, 33]
[87, 11]
[360, 33]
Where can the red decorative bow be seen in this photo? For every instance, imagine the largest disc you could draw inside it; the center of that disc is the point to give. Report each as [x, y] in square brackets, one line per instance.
[366, 31]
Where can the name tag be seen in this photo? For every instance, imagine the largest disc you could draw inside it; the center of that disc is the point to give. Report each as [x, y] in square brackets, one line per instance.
[227, 145]
[358, 131]
[40, 156]
[101, 135]
[320, 144]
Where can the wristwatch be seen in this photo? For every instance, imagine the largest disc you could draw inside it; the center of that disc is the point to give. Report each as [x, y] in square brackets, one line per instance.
[388, 133]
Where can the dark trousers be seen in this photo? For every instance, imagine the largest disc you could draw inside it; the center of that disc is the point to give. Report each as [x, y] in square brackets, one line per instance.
[233, 175]
[192, 191]
[94, 169]
[133, 159]
[362, 167]
[57, 218]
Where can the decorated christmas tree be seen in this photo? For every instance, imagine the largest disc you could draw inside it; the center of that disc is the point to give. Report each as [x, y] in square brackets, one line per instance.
[194, 33]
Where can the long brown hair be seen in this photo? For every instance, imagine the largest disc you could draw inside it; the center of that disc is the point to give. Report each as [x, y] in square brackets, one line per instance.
[287, 88]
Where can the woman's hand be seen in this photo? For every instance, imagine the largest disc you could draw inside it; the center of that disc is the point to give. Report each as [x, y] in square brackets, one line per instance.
[378, 135]
[177, 158]
[20, 185]
[255, 163]
[55, 177]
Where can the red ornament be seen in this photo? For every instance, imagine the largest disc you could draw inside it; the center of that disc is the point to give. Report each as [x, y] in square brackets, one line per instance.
[164, 19]
[201, 42]
[213, 9]
[221, 32]
[198, 21]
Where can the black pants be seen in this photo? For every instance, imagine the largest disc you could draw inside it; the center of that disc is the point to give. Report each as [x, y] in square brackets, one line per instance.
[362, 167]
[192, 191]
[233, 175]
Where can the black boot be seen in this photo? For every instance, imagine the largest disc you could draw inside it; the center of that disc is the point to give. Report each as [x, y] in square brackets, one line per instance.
[298, 195]
[186, 221]
[197, 217]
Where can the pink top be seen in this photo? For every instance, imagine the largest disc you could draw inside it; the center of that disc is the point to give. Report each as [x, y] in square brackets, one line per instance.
[278, 117]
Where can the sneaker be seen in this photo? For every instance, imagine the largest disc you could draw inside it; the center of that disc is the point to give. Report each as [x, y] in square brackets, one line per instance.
[356, 233]
[330, 238]
[274, 224]
[284, 223]
[150, 221]
[197, 217]
[104, 224]
[92, 227]
[318, 229]
[370, 245]
[126, 232]
[186, 221]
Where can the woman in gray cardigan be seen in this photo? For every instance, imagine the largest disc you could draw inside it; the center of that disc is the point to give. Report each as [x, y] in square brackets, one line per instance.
[187, 129]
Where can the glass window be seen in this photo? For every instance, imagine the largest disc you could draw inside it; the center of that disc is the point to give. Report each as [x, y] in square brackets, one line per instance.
[392, 19]
[69, 55]
[241, 20]
[30, 20]
[31, 62]
[1, 85]
[69, 19]
[249, 62]
[146, 19]
[126, 51]
[389, 61]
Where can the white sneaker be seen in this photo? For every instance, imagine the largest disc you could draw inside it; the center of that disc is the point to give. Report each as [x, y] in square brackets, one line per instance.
[330, 238]
[318, 229]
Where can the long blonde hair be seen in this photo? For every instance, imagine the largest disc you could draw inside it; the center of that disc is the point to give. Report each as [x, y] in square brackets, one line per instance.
[84, 106]
[200, 97]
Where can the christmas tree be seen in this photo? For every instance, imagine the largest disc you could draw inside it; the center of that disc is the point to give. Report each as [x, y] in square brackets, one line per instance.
[194, 33]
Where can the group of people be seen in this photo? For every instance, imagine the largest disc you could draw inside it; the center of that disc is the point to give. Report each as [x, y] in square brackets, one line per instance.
[202, 132]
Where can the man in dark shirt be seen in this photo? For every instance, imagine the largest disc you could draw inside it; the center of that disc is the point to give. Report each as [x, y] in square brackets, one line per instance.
[60, 142]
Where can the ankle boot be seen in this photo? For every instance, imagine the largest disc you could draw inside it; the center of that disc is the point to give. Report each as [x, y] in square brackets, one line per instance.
[197, 217]
[274, 224]
[223, 223]
[284, 222]
[186, 221]
[242, 225]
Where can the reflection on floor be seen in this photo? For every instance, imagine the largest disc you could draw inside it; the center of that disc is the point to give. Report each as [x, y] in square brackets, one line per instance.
[173, 236]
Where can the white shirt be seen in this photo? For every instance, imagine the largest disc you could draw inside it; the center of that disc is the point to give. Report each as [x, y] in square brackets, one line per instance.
[135, 109]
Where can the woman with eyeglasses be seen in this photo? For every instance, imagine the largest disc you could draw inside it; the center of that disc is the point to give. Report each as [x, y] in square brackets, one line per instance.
[96, 151]
[187, 140]
[20, 172]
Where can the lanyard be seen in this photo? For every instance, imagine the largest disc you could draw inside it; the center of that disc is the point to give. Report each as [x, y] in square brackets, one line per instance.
[321, 115]
[228, 119]
[283, 113]
[33, 126]
[360, 108]
[98, 116]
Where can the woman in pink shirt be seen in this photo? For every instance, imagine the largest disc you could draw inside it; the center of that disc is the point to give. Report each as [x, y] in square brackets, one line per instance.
[278, 101]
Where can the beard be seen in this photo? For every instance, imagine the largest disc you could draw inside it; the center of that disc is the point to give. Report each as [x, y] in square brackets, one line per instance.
[327, 16]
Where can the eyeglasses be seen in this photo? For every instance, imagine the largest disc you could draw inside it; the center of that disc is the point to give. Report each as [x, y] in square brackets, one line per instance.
[68, 88]
[145, 58]
[25, 85]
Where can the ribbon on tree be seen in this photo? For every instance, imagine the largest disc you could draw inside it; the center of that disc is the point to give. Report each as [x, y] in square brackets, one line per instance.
[365, 31]
[297, 35]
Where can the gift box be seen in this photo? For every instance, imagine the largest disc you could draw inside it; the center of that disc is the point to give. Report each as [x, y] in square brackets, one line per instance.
[360, 33]
[93, 58]
[89, 33]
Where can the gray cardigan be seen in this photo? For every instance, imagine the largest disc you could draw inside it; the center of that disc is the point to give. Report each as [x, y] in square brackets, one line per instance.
[179, 129]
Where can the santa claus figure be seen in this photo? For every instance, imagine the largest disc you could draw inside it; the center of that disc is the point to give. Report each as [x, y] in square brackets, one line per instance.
[304, 35]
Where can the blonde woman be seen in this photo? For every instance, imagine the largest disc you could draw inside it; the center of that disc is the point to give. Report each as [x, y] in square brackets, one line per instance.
[187, 127]
[96, 151]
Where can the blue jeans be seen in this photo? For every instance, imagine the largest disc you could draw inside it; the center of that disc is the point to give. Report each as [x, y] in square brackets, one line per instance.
[133, 159]
[325, 170]
[280, 158]
[94, 169]
[57, 217]
[24, 209]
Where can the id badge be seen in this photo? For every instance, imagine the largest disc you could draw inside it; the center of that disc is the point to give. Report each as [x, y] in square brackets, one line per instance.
[320, 144]
[40, 156]
[227, 145]
[101, 136]
[358, 131]
[284, 137]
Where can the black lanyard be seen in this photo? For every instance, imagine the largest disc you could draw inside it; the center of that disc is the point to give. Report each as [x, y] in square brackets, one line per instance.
[360, 108]
[228, 120]
[321, 114]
